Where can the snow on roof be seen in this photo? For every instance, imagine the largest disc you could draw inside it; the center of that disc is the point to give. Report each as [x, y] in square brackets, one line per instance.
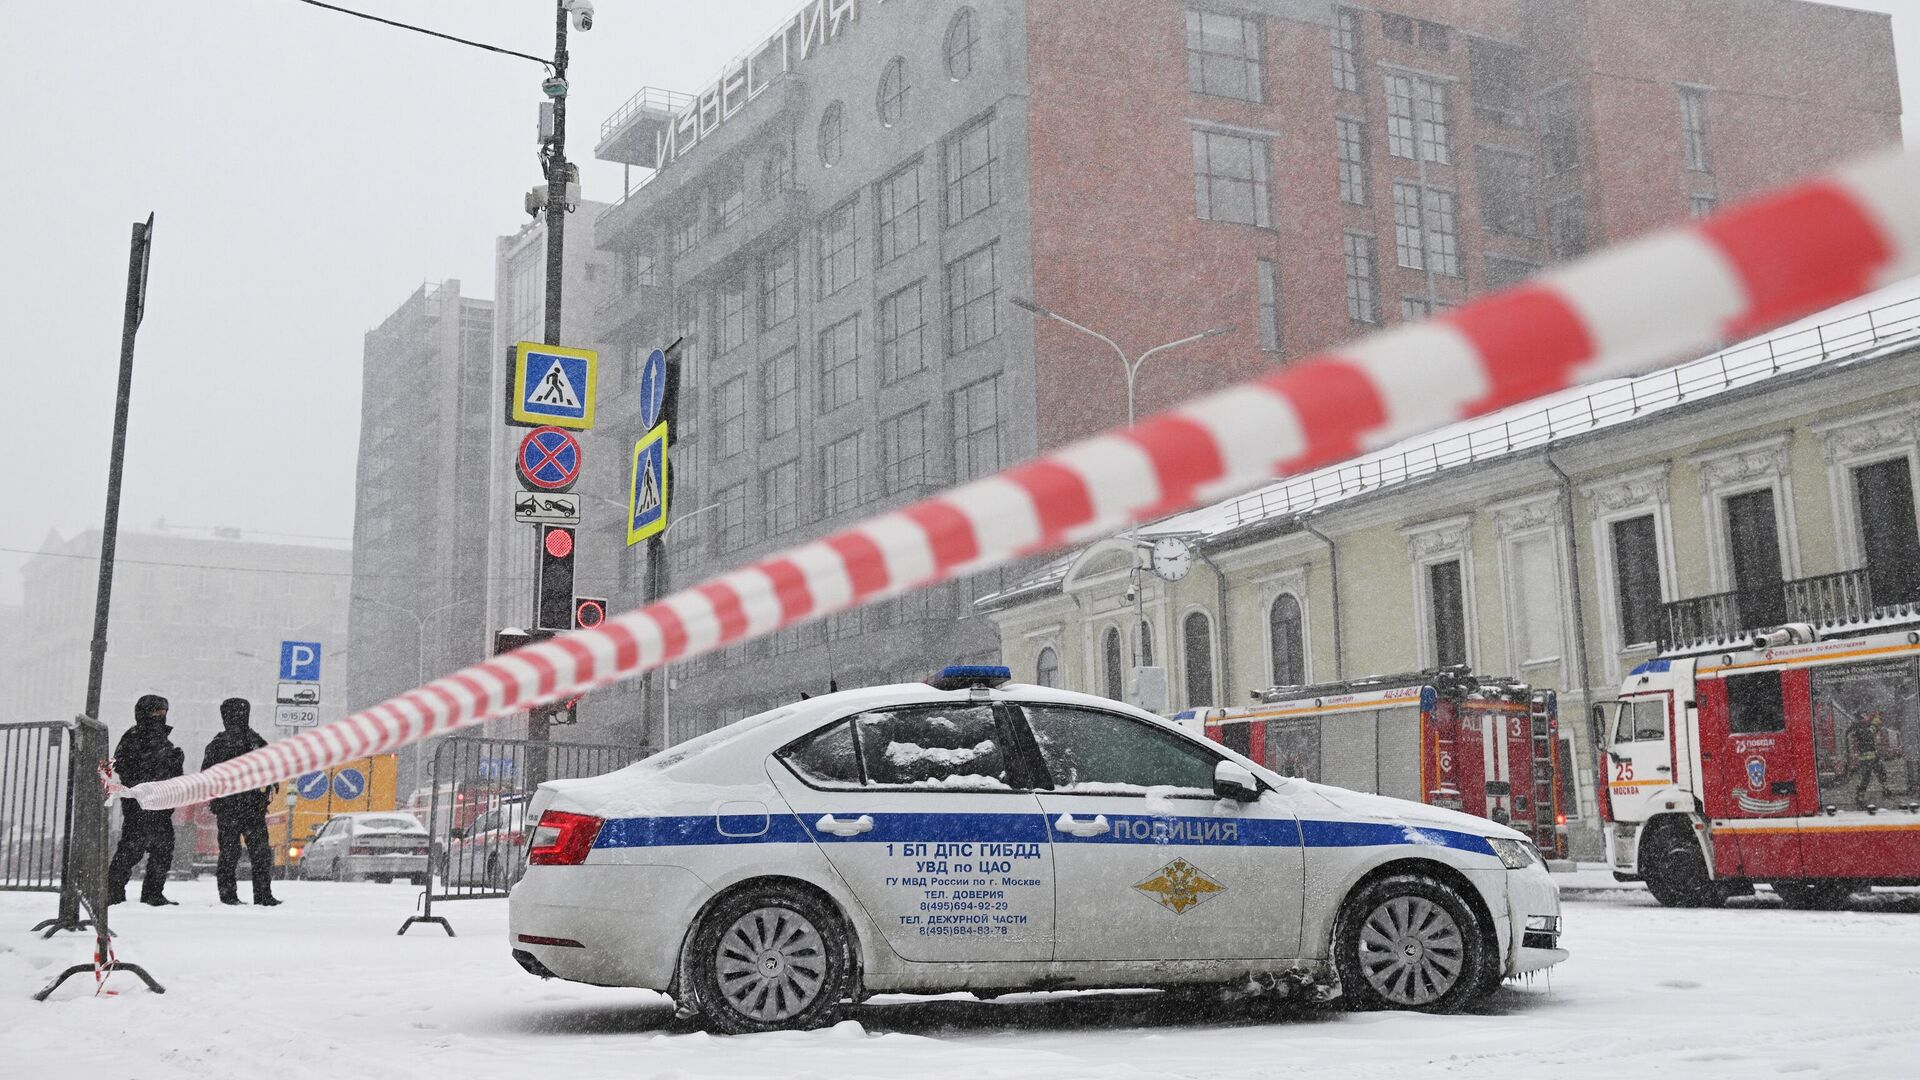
[1553, 418]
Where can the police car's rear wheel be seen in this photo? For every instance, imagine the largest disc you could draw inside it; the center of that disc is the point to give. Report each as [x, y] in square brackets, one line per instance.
[772, 958]
[1410, 942]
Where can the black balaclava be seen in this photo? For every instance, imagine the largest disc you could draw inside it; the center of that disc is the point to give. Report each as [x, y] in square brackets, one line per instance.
[151, 709]
[234, 713]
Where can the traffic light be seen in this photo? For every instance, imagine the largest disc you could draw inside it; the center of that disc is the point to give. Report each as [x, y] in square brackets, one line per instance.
[555, 580]
[589, 612]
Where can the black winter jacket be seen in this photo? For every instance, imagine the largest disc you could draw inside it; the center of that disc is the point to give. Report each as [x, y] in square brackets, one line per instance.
[145, 754]
[226, 746]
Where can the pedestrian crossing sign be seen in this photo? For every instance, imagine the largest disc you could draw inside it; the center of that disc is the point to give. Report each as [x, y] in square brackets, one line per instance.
[647, 494]
[553, 385]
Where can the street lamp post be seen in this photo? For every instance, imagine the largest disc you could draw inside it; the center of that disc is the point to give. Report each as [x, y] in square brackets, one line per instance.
[1132, 370]
[666, 678]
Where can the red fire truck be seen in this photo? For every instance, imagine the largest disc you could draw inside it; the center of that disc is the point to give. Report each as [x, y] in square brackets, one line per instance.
[1486, 746]
[1787, 756]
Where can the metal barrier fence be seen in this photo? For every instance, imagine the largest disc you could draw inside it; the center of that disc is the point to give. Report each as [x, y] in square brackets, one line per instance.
[34, 810]
[477, 820]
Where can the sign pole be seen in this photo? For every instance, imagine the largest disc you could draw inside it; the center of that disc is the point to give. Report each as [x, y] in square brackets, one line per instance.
[137, 261]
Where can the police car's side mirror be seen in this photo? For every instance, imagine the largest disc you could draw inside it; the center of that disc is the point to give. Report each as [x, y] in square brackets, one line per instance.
[1231, 780]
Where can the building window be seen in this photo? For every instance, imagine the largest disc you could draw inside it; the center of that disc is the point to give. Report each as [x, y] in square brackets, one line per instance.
[892, 96]
[686, 234]
[1497, 76]
[1417, 115]
[1196, 632]
[976, 429]
[1560, 130]
[840, 475]
[1223, 55]
[636, 269]
[1443, 232]
[1110, 662]
[776, 175]
[780, 390]
[1143, 643]
[1269, 305]
[962, 39]
[902, 330]
[1699, 206]
[903, 450]
[1415, 308]
[1046, 670]
[1567, 228]
[778, 277]
[780, 494]
[897, 207]
[1407, 241]
[1286, 641]
[1502, 271]
[1636, 577]
[1363, 305]
[970, 159]
[729, 202]
[1447, 612]
[733, 314]
[1433, 36]
[839, 356]
[1889, 540]
[1230, 178]
[1532, 564]
[1693, 122]
[1753, 555]
[730, 417]
[833, 134]
[973, 293]
[1397, 28]
[1346, 50]
[1506, 191]
[839, 250]
[732, 531]
[1352, 136]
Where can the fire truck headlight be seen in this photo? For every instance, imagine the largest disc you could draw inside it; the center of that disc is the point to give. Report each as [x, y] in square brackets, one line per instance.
[1514, 854]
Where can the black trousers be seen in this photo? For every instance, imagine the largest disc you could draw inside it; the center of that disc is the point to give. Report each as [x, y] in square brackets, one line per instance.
[250, 829]
[143, 834]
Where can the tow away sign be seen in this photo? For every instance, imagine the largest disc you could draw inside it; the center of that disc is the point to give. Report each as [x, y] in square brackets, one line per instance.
[546, 508]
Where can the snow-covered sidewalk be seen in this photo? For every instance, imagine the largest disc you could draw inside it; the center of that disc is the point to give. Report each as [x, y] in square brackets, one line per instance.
[323, 987]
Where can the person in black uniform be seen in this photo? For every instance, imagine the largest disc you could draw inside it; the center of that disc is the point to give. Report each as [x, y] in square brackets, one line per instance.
[144, 754]
[243, 816]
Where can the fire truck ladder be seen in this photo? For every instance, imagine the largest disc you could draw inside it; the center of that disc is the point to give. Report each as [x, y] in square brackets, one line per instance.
[1546, 802]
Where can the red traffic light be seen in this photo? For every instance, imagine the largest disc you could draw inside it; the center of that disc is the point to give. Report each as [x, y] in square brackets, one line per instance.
[588, 612]
[559, 543]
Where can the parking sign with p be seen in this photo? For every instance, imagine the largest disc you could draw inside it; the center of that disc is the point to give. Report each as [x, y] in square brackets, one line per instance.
[300, 661]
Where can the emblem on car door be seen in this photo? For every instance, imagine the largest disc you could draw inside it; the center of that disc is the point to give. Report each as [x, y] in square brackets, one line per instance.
[1180, 885]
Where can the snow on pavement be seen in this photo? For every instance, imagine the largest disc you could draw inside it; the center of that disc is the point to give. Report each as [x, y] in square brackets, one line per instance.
[322, 986]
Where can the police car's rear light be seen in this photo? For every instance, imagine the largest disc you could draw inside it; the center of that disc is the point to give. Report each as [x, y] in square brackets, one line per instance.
[562, 942]
[563, 839]
[962, 676]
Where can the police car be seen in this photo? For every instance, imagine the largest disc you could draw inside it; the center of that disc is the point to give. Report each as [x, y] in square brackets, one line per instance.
[974, 834]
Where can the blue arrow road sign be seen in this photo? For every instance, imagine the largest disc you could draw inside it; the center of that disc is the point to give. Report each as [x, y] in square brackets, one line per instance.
[653, 388]
[349, 784]
[299, 661]
[311, 786]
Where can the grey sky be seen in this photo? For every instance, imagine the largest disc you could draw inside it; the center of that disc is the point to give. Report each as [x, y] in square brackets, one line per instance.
[309, 171]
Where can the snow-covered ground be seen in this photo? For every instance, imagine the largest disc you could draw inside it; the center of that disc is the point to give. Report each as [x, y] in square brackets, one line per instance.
[322, 987]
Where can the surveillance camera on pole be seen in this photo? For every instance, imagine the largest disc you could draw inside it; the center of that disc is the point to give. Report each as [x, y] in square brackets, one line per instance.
[582, 11]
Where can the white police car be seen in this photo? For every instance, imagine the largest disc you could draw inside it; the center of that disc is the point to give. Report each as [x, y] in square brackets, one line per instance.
[972, 834]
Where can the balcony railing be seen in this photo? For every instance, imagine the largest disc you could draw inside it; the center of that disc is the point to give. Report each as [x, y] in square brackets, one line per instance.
[1824, 598]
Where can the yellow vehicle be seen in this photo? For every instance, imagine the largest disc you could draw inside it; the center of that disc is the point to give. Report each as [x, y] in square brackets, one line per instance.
[363, 784]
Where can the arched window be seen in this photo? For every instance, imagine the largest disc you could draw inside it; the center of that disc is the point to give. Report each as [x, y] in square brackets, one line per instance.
[1046, 670]
[961, 39]
[1287, 641]
[893, 91]
[1197, 632]
[1110, 657]
[833, 131]
[1143, 636]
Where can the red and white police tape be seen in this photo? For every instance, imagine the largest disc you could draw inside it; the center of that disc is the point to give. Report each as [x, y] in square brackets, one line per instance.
[1619, 312]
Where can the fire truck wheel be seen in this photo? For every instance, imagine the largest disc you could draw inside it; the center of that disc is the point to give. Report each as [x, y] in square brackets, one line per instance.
[1814, 895]
[1676, 874]
[770, 957]
[1410, 942]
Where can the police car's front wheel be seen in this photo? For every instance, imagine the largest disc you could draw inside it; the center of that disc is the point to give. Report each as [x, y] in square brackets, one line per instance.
[770, 958]
[1410, 942]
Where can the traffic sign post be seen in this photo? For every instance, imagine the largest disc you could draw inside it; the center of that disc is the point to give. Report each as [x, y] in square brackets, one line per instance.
[298, 693]
[553, 385]
[647, 491]
[300, 661]
[311, 786]
[653, 388]
[349, 784]
[549, 460]
[296, 716]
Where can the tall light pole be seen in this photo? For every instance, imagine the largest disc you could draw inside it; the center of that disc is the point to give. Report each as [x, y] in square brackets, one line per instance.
[666, 679]
[1132, 370]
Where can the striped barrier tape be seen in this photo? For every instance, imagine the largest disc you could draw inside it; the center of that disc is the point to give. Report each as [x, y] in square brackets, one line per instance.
[1620, 312]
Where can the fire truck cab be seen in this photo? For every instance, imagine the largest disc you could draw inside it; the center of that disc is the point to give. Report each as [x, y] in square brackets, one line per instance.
[1482, 745]
[1786, 756]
